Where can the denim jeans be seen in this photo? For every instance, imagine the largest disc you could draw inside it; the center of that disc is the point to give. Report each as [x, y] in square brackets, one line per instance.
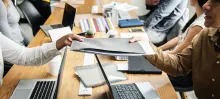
[162, 20]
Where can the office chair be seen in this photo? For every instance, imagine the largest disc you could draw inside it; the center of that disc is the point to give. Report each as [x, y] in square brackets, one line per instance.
[32, 15]
[187, 84]
[26, 29]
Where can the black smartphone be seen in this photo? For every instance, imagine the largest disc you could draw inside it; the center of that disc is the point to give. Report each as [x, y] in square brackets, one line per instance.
[136, 30]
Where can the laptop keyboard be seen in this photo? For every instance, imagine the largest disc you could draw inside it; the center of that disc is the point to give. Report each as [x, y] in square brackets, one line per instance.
[128, 91]
[43, 90]
[56, 26]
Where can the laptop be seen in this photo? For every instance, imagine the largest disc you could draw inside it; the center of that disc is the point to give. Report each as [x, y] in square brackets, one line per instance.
[40, 88]
[68, 19]
[140, 65]
[142, 90]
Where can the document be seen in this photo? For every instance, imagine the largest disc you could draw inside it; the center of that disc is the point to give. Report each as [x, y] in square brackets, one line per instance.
[120, 7]
[56, 34]
[110, 46]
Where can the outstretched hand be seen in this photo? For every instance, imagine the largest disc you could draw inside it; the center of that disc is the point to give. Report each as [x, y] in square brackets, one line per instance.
[138, 38]
[67, 40]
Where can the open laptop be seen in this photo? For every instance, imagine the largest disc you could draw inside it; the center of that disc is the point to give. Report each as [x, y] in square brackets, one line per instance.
[141, 90]
[140, 65]
[68, 19]
[40, 88]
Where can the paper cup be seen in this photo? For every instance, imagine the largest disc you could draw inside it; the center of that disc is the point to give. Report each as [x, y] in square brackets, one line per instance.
[54, 65]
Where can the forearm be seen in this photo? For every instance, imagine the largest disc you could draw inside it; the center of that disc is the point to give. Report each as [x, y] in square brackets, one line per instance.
[181, 47]
[17, 54]
[169, 63]
[170, 44]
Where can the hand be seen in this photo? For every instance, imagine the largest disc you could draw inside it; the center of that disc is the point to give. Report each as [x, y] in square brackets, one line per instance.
[67, 40]
[138, 38]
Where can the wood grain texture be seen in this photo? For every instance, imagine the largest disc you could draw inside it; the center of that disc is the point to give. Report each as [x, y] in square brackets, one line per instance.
[70, 82]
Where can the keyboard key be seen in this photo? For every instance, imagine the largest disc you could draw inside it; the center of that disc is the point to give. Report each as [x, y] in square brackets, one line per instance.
[128, 91]
[42, 90]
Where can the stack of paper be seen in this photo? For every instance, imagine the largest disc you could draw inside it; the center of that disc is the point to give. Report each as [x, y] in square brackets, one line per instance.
[96, 24]
[56, 34]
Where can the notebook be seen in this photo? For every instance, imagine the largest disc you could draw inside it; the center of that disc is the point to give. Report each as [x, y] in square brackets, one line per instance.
[138, 65]
[91, 74]
[130, 23]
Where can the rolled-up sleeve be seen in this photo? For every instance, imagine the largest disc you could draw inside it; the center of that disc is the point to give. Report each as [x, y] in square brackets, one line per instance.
[20, 55]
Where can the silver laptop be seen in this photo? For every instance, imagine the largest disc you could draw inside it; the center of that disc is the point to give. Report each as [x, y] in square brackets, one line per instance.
[68, 20]
[142, 90]
[39, 88]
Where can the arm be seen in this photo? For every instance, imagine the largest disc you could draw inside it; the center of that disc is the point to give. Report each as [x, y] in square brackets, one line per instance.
[4, 26]
[17, 54]
[164, 9]
[170, 44]
[192, 32]
[176, 64]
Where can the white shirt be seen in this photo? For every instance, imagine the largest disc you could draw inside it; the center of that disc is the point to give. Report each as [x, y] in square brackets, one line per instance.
[20, 55]
[198, 22]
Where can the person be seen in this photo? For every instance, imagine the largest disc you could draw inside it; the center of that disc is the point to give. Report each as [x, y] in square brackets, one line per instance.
[18, 54]
[165, 20]
[190, 30]
[9, 18]
[201, 57]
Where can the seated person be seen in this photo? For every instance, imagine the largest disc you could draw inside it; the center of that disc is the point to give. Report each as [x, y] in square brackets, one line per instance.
[17, 54]
[160, 23]
[193, 27]
[9, 18]
[201, 57]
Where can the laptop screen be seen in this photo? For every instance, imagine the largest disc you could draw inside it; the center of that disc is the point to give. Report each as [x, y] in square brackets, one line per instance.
[59, 78]
[107, 85]
[69, 16]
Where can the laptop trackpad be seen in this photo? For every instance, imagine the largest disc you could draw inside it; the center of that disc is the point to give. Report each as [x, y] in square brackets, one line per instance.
[26, 84]
[147, 90]
[21, 94]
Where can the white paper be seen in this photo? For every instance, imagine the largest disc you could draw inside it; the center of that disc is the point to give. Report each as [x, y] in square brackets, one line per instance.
[125, 7]
[121, 7]
[147, 47]
[133, 34]
[122, 66]
[88, 59]
[56, 34]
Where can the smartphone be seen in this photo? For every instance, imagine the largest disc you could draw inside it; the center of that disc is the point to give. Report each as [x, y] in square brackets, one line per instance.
[136, 30]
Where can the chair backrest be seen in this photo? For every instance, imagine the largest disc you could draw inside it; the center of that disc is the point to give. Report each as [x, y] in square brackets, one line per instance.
[32, 15]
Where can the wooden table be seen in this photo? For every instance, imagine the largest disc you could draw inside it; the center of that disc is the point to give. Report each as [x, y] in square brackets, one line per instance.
[70, 82]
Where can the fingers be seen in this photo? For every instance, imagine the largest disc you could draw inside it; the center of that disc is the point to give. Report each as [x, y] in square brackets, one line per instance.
[133, 40]
[76, 37]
